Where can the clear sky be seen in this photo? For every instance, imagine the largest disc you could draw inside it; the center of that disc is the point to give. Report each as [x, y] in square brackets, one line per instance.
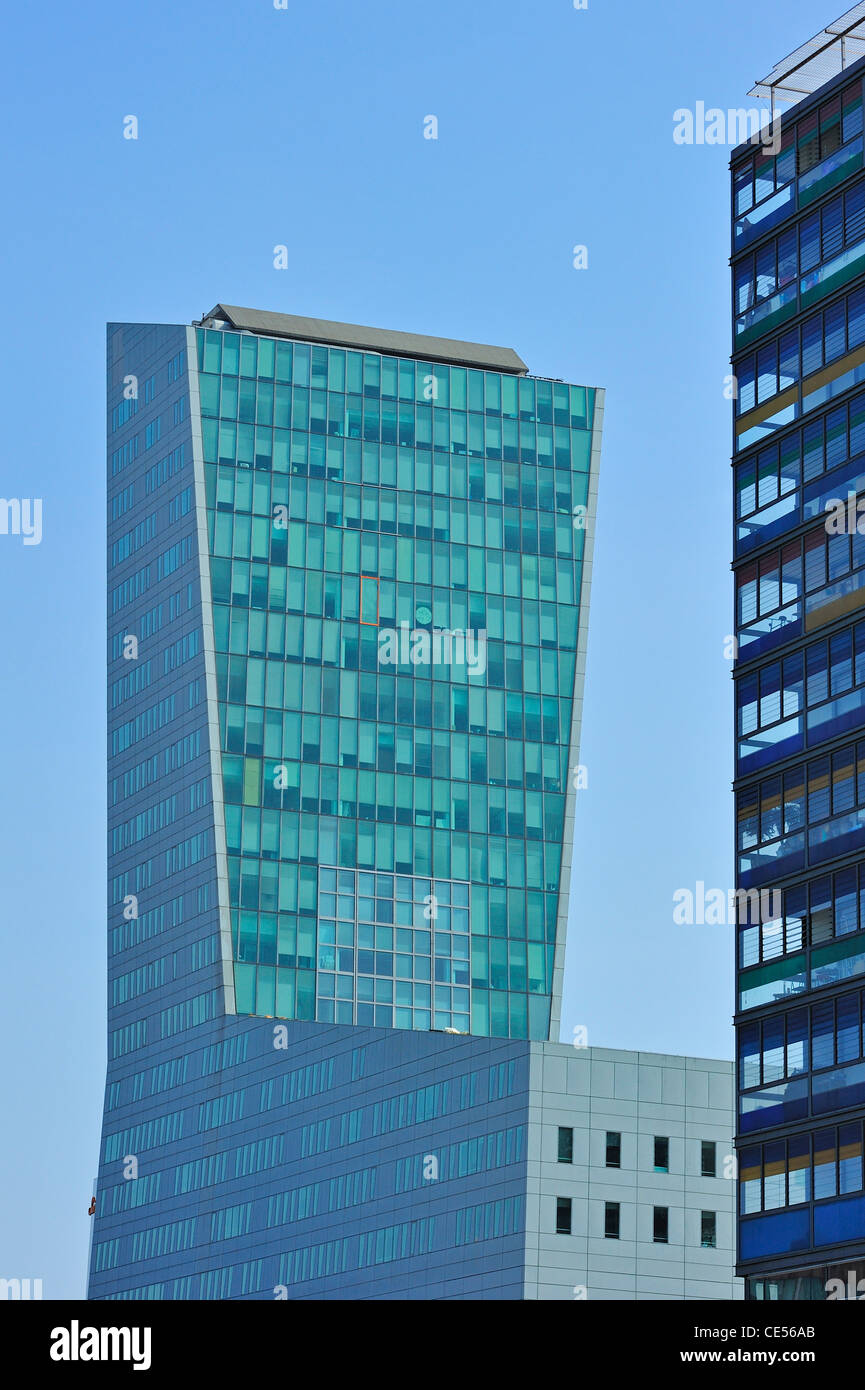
[303, 127]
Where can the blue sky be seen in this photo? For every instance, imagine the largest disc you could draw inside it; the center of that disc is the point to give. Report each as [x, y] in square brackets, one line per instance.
[303, 127]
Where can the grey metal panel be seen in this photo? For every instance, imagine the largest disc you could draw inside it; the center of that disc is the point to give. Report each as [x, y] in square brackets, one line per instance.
[353, 335]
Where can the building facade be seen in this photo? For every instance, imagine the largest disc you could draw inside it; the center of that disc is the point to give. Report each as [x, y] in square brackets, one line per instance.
[631, 1176]
[348, 575]
[330, 1162]
[798, 259]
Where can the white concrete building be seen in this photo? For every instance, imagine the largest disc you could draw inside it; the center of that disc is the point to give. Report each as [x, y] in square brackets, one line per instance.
[631, 1181]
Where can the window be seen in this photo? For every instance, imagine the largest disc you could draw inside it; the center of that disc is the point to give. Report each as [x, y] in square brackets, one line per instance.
[835, 788]
[661, 1225]
[708, 1159]
[566, 1145]
[822, 236]
[708, 1230]
[614, 1149]
[781, 362]
[563, 1216]
[662, 1155]
[611, 1220]
[771, 1178]
[369, 599]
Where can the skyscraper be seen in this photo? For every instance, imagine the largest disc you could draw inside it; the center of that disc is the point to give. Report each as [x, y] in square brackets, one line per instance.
[798, 252]
[348, 581]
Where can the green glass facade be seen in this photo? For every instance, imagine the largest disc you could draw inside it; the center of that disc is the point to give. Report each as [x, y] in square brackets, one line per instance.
[398, 802]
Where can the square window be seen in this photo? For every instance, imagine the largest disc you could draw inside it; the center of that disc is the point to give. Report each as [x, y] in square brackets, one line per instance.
[563, 1216]
[327, 879]
[346, 880]
[384, 938]
[460, 895]
[403, 888]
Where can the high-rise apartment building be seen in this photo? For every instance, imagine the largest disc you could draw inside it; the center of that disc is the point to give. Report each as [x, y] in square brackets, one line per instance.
[798, 257]
[348, 581]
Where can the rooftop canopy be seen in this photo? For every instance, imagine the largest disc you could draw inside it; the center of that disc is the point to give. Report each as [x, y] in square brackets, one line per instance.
[351, 335]
[819, 60]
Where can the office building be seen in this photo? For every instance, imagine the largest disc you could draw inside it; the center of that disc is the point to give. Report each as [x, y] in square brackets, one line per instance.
[348, 583]
[798, 257]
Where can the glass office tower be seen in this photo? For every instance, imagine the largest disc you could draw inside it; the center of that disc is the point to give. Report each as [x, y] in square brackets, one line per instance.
[348, 574]
[798, 258]
[394, 799]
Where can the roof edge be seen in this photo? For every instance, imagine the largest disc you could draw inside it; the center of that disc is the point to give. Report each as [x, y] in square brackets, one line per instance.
[359, 337]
